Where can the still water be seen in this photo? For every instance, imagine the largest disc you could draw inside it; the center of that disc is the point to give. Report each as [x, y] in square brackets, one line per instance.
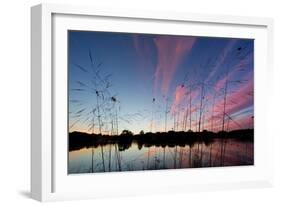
[133, 157]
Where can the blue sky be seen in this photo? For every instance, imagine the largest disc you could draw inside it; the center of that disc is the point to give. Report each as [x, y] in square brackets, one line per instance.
[152, 76]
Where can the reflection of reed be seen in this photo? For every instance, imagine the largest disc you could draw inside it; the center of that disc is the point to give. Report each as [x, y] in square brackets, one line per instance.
[156, 160]
[109, 158]
[210, 157]
[117, 158]
[224, 149]
[221, 151]
[148, 154]
[190, 164]
[102, 156]
[246, 149]
[164, 157]
[178, 156]
[175, 157]
[201, 156]
[223, 144]
[92, 159]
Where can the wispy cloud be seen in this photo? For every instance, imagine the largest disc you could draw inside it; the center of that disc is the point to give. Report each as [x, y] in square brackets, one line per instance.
[238, 67]
[238, 100]
[220, 61]
[170, 52]
[181, 97]
[143, 49]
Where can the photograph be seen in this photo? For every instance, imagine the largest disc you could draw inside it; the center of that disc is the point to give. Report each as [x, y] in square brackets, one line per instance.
[142, 102]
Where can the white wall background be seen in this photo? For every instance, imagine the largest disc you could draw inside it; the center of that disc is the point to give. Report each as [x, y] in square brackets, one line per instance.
[15, 101]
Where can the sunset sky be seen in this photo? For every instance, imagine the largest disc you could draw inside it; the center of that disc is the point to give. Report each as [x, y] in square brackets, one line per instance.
[153, 77]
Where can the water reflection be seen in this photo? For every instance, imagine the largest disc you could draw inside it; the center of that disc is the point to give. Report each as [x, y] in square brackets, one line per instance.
[133, 156]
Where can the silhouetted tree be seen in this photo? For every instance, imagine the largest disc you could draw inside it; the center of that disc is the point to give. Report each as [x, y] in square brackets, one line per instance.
[126, 133]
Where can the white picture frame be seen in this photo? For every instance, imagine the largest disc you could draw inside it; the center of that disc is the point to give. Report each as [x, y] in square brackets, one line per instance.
[49, 179]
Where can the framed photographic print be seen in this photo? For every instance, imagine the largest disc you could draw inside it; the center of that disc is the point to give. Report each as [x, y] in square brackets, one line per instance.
[133, 102]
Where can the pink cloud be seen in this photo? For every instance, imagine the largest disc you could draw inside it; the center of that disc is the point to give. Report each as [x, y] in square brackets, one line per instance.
[240, 99]
[243, 122]
[181, 97]
[221, 83]
[170, 51]
[237, 100]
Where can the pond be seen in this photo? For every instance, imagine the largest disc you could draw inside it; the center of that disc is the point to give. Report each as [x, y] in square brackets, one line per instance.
[135, 157]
